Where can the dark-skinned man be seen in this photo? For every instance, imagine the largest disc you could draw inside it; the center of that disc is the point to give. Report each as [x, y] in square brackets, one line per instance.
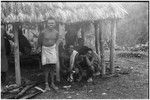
[47, 41]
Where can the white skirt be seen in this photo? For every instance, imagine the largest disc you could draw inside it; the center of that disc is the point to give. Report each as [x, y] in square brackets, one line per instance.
[49, 55]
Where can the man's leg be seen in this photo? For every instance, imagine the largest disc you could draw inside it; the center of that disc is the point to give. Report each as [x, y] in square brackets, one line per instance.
[46, 72]
[89, 74]
[52, 74]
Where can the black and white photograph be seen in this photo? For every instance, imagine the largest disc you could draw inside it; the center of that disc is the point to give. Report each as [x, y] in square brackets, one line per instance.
[74, 49]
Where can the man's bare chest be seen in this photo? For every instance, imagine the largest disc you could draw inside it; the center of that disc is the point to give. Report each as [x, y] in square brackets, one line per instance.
[50, 34]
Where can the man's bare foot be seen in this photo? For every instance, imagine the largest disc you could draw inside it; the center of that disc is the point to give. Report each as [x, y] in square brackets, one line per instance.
[54, 87]
[47, 88]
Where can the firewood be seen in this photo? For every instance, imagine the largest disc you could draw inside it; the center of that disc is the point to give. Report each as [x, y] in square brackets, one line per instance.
[23, 91]
[11, 89]
[27, 88]
[31, 95]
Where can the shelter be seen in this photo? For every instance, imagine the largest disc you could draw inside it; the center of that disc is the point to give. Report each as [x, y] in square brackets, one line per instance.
[66, 14]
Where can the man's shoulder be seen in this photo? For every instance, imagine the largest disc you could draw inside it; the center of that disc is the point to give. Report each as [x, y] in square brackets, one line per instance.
[55, 31]
[44, 31]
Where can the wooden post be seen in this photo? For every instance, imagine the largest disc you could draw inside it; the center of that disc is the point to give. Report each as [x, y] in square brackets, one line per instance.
[82, 33]
[17, 57]
[112, 44]
[62, 34]
[101, 49]
[97, 38]
[95, 28]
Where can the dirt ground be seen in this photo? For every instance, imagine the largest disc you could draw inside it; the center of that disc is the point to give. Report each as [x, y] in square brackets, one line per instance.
[134, 85]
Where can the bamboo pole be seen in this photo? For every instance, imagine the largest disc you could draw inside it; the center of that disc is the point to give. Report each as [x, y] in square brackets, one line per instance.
[17, 57]
[112, 45]
[101, 48]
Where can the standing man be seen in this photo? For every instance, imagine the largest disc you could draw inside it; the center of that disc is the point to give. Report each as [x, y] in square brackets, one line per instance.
[47, 40]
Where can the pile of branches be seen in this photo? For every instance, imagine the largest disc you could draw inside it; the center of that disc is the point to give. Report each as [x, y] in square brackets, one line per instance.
[24, 91]
[131, 55]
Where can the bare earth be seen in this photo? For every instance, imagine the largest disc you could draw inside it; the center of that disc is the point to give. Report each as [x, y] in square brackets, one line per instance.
[129, 86]
[134, 85]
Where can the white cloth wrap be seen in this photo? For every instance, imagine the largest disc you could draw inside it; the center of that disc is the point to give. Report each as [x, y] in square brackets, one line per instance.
[49, 55]
[72, 58]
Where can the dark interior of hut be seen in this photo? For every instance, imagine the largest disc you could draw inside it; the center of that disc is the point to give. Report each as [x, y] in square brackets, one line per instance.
[30, 60]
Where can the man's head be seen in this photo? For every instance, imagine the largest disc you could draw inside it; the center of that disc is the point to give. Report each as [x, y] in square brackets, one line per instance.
[71, 48]
[81, 42]
[51, 23]
[89, 52]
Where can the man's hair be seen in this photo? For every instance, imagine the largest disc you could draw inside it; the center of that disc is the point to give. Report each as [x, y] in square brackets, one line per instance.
[89, 49]
[50, 18]
[80, 40]
[71, 46]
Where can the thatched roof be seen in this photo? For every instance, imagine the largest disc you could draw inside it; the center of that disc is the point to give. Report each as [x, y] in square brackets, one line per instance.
[66, 12]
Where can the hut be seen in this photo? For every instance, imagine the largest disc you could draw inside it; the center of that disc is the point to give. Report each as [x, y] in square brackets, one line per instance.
[67, 14]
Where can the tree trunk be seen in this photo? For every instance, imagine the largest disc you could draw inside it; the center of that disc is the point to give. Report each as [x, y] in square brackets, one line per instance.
[17, 57]
[101, 48]
[112, 44]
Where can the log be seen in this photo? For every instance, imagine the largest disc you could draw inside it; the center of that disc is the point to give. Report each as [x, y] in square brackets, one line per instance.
[11, 89]
[24, 91]
[17, 57]
[112, 45]
[31, 95]
[101, 49]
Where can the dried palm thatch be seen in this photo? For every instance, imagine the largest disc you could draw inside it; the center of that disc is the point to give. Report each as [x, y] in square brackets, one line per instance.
[62, 11]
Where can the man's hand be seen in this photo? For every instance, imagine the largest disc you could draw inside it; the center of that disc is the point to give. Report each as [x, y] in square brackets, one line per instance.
[38, 49]
[92, 68]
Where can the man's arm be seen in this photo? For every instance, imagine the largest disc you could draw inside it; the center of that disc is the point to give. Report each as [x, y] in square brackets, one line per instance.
[97, 56]
[88, 61]
[40, 39]
[57, 40]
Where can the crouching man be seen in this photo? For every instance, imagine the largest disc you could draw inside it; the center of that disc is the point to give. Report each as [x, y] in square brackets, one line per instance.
[88, 64]
[47, 40]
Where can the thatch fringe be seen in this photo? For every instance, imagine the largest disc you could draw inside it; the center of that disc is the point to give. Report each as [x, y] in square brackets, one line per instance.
[63, 12]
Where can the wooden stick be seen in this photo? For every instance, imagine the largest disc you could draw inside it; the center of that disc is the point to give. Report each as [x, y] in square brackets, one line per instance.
[97, 37]
[23, 91]
[95, 26]
[101, 49]
[27, 88]
[17, 57]
[31, 95]
[112, 42]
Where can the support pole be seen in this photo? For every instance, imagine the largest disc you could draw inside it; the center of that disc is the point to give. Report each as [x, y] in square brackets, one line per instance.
[97, 45]
[17, 57]
[95, 27]
[62, 34]
[82, 34]
[101, 49]
[112, 45]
